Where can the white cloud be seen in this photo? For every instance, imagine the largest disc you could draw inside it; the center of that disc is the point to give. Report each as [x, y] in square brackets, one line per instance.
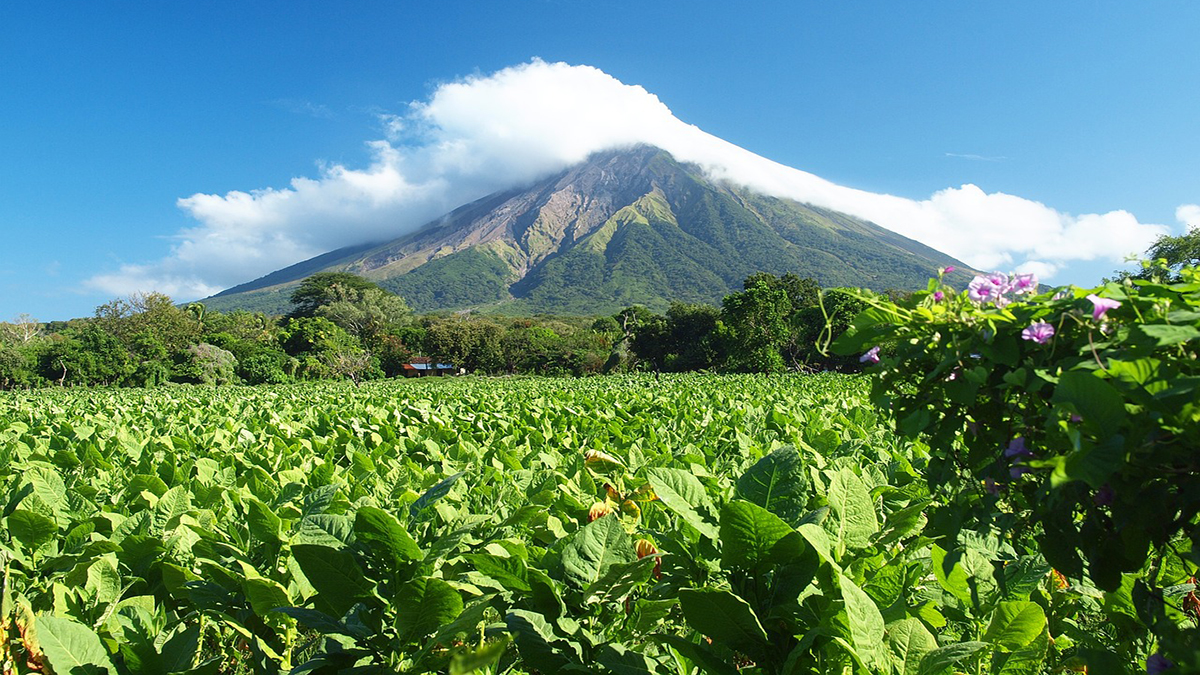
[486, 133]
[1189, 215]
[1039, 269]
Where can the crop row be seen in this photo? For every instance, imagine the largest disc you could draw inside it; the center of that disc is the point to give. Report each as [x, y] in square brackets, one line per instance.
[716, 524]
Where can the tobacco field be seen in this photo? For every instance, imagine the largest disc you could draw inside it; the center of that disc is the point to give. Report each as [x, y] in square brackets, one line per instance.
[626, 525]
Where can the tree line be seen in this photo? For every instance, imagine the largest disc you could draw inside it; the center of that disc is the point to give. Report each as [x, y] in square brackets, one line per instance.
[343, 326]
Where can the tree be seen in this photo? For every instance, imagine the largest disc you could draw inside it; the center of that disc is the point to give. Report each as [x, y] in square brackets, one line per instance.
[1174, 251]
[85, 356]
[366, 313]
[153, 313]
[209, 364]
[21, 330]
[473, 344]
[314, 341]
[356, 304]
[691, 336]
[757, 322]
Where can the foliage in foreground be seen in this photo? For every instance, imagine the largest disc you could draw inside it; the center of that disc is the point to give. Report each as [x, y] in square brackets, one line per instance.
[697, 524]
[1071, 419]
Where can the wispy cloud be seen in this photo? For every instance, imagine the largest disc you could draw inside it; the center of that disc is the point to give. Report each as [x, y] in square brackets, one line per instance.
[490, 132]
[302, 107]
[977, 158]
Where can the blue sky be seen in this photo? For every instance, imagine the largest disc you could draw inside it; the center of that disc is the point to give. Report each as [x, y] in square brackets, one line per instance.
[110, 113]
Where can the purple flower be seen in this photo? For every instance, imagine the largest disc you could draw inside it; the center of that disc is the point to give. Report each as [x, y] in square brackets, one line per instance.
[1040, 332]
[981, 289]
[1000, 280]
[1017, 471]
[1016, 448]
[1157, 663]
[1101, 305]
[1104, 496]
[948, 270]
[938, 296]
[1076, 418]
[872, 356]
[1024, 283]
[990, 487]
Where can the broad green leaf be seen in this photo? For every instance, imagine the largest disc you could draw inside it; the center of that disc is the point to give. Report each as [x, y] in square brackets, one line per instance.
[854, 521]
[941, 661]
[646, 614]
[1091, 463]
[620, 580]
[433, 494]
[964, 573]
[819, 540]
[866, 624]
[752, 537]
[335, 575]
[724, 617]
[71, 648]
[265, 595]
[899, 523]
[31, 529]
[264, 525]
[1015, 624]
[509, 572]
[174, 503]
[539, 646]
[1097, 402]
[1164, 335]
[623, 661]
[179, 651]
[382, 532]
[682, 493]
[700, 655]
[103, 580]
[469, 661]
[424, 605]
[325, 529]
[778, 483]
[909, 641]
[1027, 660]
[318, 621]
[593, 549]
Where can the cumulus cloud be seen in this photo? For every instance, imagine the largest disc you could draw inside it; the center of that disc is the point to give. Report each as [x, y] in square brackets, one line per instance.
[1189, 215]
[490, 132]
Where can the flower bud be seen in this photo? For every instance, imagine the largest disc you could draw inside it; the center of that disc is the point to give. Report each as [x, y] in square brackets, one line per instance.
[598, 510]
[644, 548]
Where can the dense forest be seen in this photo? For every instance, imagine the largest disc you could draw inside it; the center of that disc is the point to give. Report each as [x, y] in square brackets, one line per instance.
[342, 326]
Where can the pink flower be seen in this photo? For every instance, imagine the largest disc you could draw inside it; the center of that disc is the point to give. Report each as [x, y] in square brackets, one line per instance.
[872, 356]
[948, 270]
[938, 296]
[1101, 305]
[981, 289]
[1040, 332]
[1024, 283]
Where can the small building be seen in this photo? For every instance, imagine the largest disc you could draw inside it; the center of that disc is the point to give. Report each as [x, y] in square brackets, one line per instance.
[423, 366]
